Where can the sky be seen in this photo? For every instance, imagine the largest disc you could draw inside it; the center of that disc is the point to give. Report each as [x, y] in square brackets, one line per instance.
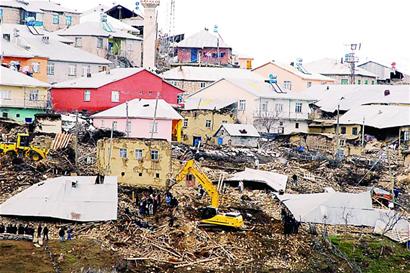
[284, 30]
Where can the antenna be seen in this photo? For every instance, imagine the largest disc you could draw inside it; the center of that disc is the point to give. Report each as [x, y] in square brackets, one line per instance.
[351, 59]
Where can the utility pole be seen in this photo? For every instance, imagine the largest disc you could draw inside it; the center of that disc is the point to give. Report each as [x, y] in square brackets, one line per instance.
[76, 141]
[363, 132]
[155, 117]
[351, 59]
[337, 132]
[127, 127]
[217, 44]
[108, 169]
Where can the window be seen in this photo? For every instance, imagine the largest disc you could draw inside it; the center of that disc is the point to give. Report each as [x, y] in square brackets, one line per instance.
[17, 115]
[344, 81]
[278, 107]
[208, 123]
[77, 42]
[366, 81]
[56, 19]
[87, 95]
[115, 96]
[33, 96]
[150, 93]
[372, 82]
[72, 70]
[287, 85]
[354, 131]
[68, 20]
[100, 42]
[297, 125]
[156, 175]
[5, 115]
[50, 69]
[202, 84]
[1, 14]
[281, 123]
[123, 153]
[154, 127]
[343, 130]
[298, 107]
[224, 121]
[264, 107]
[242, 105]
[36, 67]
[154, 155]
[185, 123]
[179, 99]
[114, 125]
[406, 135]
[86, 70]
[174, 83]
[359, 81]
[138, 154]
[4, 94]
[309, 84]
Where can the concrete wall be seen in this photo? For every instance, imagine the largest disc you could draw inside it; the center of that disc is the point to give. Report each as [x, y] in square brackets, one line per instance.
[140, 128]
[130, 170]
[362, 79]
[298, 83]
[383, 73]
[61, 70]
[10, 15]
[197, 121]
[40, 75]
[189, 86]
[20, 114]
[50, 26]
[20, 97]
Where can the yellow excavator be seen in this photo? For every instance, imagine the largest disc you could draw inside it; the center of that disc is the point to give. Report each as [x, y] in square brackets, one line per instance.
[22, 148]
[210, 215]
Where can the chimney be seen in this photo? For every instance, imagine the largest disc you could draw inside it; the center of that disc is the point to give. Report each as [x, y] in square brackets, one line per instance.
[45, 39]
[107, 71]
[341, 60]
[386, 92]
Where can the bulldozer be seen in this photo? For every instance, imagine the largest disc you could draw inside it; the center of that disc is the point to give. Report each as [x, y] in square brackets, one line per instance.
[210, 216]
[22, 148]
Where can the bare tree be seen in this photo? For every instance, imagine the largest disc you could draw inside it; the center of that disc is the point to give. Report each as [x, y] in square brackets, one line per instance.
[267, 120]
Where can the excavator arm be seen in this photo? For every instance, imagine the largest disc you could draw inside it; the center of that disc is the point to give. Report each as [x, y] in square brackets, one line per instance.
[212, 217]
[191, 168]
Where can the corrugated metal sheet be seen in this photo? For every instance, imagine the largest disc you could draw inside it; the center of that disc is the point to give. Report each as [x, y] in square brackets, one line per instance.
[61, 141]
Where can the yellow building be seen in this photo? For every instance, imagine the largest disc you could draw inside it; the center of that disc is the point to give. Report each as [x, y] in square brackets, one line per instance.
[135, 161]
[202, 118]
[21, 96]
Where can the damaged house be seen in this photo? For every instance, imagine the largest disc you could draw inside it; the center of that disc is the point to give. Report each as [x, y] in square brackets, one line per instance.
[203, 117]
[135, 161]
[237, 135]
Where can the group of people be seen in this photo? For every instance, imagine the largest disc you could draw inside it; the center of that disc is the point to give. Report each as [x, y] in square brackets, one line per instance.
[62, 232]
[149, 201]
[25, 230]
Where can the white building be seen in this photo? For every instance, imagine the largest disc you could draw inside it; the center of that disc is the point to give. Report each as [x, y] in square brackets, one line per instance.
[260, 104]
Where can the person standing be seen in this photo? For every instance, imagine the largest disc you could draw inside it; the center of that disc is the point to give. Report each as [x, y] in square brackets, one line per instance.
[69, 234]
[39, 231]
[45, 233]
[61, 234]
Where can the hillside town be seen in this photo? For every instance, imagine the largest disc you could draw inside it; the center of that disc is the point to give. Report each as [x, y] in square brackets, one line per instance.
[124, 148]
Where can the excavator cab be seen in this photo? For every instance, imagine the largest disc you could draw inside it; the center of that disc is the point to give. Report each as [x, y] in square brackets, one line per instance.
[23, 140]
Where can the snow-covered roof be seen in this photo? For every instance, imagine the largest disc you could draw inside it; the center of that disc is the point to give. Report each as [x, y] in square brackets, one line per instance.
[273, 180]
[203, 39]
[349, 96]
[9, 49]
[99, 79]
[209, 74]
[328, 66]
[295, 71]
[95, 29]
[378, 116]
[51, 6]
[53, 49]
[20, 5]
[141, 108]
[207, 104]
[74, 198]
[243, 130]
[95, 16]
[10, 77]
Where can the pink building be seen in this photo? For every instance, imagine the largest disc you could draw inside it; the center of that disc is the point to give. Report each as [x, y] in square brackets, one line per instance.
[143, 120]
[205, 48]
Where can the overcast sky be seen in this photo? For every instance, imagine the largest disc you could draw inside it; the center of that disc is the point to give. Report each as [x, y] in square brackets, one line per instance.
[284, 30]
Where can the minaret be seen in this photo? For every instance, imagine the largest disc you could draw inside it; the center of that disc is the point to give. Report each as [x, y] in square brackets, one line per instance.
[150, 33]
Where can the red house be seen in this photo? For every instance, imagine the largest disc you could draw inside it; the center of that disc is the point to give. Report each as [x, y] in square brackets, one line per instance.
[104, 90]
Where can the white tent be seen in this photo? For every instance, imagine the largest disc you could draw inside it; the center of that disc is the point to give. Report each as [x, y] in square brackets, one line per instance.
[273, 180]
[75, 198]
